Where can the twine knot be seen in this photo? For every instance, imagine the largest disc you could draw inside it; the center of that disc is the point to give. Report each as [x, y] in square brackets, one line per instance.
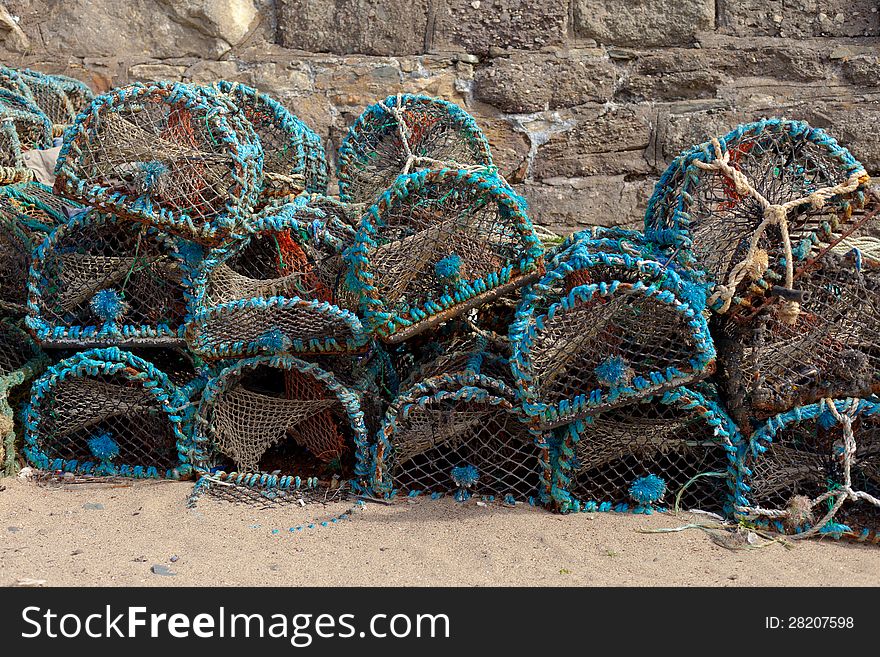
[788, 312]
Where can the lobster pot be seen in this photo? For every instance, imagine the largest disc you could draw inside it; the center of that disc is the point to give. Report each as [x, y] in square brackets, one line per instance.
[32, 127]
[403, 134]
[293, 155]
[15, 258]
[771, 363]
[35, 206]
[814, 471]
[602, 330]
[676, 449]
[437, 244]
[167, 155]
[48, 95]
[78, 93]
[20, 361]
[718, 209]
[108, 412]
[101, 281]
[283, 415]
[458, 355]
[277, 289]
[461, 435]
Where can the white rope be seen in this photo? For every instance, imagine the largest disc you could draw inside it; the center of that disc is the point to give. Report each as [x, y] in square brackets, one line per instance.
[841, 494]
[756, 260]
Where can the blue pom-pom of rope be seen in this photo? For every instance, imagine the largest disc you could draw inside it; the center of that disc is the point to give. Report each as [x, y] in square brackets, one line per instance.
[465, 476]
[647, 490]
[448, 269]
[614, 371]
[103, 447]
[108, 305]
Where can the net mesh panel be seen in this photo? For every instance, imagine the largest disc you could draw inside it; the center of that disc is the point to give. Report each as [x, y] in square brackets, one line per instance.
[10, 146]
[276, 497]
[107, 417]
[97, 254]
[832, 350]
[284, 280]
[430, 438]
[616, 448]
[78, 93]
[11, 81]
[373, 153]
[33, 128]
[163, 154]
[437, 235]
[784, 161]
[579, 345]
[36, 205]
[293, 155]
[20, 360]
[803, 459]
[269, 418]
[15, 259]
[49, 97]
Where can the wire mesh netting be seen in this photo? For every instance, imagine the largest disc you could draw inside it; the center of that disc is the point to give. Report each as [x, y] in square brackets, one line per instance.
[460, 434]
[770, 365]
[437, 244]
[281, 416]
[741, 203]
[403, 134]
[15, 259]
[278, 290]
[48, 95]
[814, 470]
[604, 329]
[167, 155]
[20, 360]
[293, 155]
[78, 92]
[98, 280]
[35, 207]
[107, 412]
[676, 450]
[32, 127]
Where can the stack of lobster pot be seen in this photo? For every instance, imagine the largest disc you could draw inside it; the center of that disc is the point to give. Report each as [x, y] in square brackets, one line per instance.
[155, 179]
[778, 218]
[34, 110]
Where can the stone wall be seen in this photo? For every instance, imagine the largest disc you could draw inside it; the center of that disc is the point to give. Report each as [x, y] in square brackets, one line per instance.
[584, 101]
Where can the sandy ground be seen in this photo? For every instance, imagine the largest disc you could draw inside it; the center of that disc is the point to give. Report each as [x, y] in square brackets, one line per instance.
[57, 535]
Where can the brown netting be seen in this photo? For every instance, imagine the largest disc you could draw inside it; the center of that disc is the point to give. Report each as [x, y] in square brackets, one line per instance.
[100, 254]
[638, 334]
[403, 134]
[269, 419]
[832, 349]
[15, 259]
[429, 446]
[49, 97]
[32, 129]
[164, 150]
[735, 237]
[800, 480]
[622, 445]
[81, 408]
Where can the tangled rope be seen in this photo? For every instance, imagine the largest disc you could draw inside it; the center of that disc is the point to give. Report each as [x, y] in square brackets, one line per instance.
[840, 493]
[756, 260]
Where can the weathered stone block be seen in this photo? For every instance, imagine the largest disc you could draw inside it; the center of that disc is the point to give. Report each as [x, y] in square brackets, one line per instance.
[475, 26]
[643, 23]
[799, 18]
[601, 141]
[132, 28]
[371, 27]
[593, 201]
[537, 82]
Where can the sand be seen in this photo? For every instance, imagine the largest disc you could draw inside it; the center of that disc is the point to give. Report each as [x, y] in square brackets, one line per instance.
[58, 536]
